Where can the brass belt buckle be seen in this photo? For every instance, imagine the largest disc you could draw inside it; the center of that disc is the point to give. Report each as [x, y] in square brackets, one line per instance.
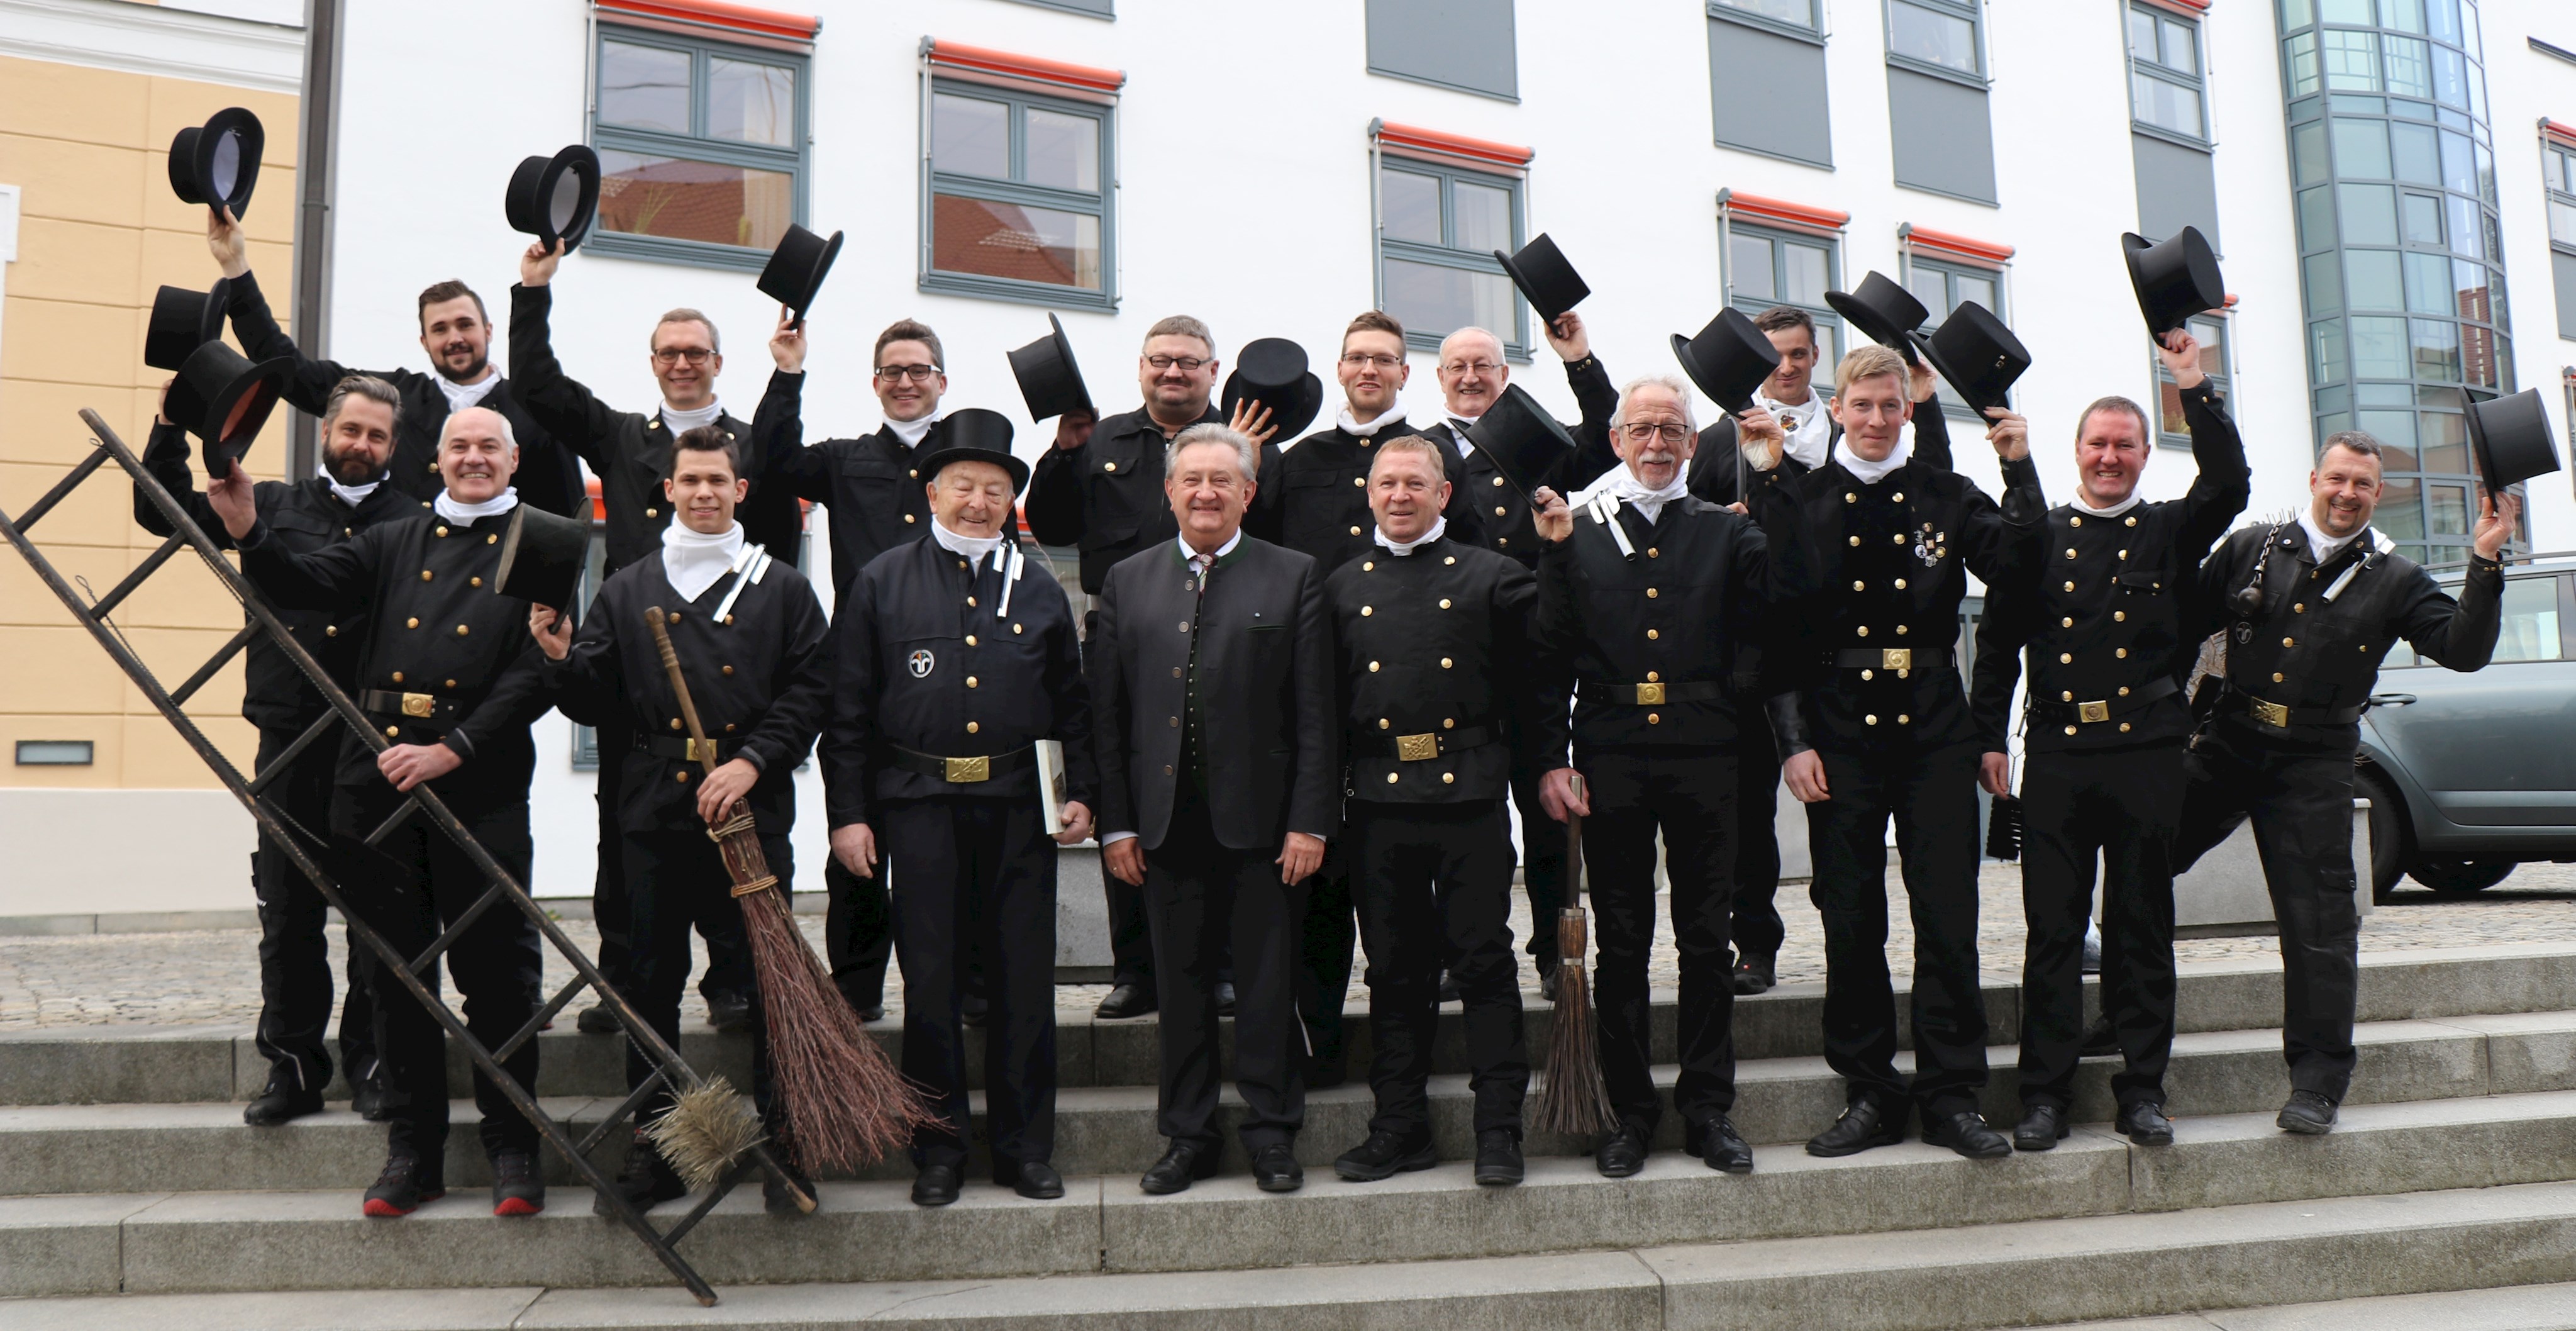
[1896, 658]
[2093, 711]
[418, 704]
[1417, 748]
[1650, 695]
[2269, 713]
[699, 749]
[964, 771]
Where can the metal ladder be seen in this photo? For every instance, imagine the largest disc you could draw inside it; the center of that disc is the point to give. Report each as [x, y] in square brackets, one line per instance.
[297, 842]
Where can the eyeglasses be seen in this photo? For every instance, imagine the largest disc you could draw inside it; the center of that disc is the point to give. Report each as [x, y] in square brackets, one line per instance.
[1361, 360]
[1640, 432]
[895, 374]
[1472, 366]
[1185, 364]
[675, 355]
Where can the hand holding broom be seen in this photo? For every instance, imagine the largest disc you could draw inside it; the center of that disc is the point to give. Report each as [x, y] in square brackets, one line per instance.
[1574, 1101]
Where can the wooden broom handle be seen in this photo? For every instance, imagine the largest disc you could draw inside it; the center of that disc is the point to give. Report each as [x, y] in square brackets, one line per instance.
[1574, 851]
[680, 685]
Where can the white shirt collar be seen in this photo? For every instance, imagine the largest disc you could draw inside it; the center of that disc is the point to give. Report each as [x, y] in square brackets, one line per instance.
[1815, 433]
[1187, 553]
[1458, 427]
[912, 432]
[460, 396]
[972, 548]
[447, 506]
[1353, 426]
[1622, 483]
[352, 495]
[1438, 526]
[694, 560]
[681, 422]
[2079, 505]
[1871, 473]
[2321, 546]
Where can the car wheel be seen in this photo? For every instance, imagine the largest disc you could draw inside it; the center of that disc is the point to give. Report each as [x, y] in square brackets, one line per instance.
[2459, 878]
[2389, 835]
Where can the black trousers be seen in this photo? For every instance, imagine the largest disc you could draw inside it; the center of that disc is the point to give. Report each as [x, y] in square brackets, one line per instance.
[1328, 936]
[1210, 902]
[2300, 799]
[728, 962]
[1758, 928]
[2121, 806]
[976, 877]
[294, 945]
[1542, 862]
[1131, 943]
[1690, 798]
[496, 964]
[1434, 889]
[1932, 795]
[858, 933]
[675, 881]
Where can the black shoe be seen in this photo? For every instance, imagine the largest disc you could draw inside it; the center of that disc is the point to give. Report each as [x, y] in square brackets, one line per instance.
[1968, 1133]
[283, 1101]
[516, 1187]
[2145, 1123]
[2100, 1041]
[872, 1015]
[1547, 971]
[645, 1180]
[2308, 1113]
[368, 1101]
[1225, 998]
[1498, 1158]
[973, 1009]
[1755, 973]
[1719, 1145]
[597, 1020]
[1623, 1153]
[403, 1186]
[1275, 1168]
[935, 1185]
[1035, 1180]
[1862, 1125]
[2041, 1128]
[774, 1196]
[1448, 987]
[729, 1011]
[1182, 1164]
[1383, 1156]
[1324, 1075]
[1129, 999]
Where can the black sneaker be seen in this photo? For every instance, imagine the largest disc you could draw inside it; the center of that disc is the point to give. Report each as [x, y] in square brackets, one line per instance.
[1755, 973]
[645, 1180]
[284, 1100]
[405, 1183]
[1498, 1158]
[729, 1011]
[2308, 1113]
[1383, 1156]
[597, 1020]
[516, 1187]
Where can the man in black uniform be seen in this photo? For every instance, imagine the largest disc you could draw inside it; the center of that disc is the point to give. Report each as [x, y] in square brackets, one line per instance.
[1245, 690]
[1433, 640]
[1643, 602]
[957, 664]
[457, 336]
[450, 675]
[877, 499]
[2104, 623]
[754, 646]
[1473, 373]
[1877, 547]
[359, 422]
[630, 452]
[2311, 607]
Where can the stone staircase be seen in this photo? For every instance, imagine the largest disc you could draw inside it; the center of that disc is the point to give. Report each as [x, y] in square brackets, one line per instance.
[131, 1196]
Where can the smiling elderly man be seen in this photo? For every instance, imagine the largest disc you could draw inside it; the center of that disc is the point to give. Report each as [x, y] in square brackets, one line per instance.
[451, 675]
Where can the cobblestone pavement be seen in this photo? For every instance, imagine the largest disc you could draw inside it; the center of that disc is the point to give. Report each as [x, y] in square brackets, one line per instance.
[212, 976]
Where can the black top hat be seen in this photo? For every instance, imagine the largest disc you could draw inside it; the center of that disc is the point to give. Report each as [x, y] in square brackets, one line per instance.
[554, 198]
[1884, 312]
[2510, 436]
[542, 555]
[1272, 371]
[1978, 355]
[221, 397]
[2176, 278]
[217, 163]
[796, 268]
[971, 435]
[1543, 275]
[182, 321]
[1049, 380]
[1529, 445]
[1728, 359]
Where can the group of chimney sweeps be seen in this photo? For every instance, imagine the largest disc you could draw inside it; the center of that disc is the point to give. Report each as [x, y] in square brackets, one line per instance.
[1314, 674]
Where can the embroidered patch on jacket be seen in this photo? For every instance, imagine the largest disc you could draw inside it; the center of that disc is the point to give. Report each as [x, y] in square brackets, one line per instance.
[922, 663]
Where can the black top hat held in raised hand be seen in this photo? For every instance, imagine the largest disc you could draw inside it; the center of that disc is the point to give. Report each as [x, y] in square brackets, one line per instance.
[2510, 438]
[796, 270]
[1728, 359]
[542, 555]
[1884, 312]
[1543, 275]
[182, 321]
[221, 397]
[1049, 380]
[555, 198]
[2175, 278]
[217, 163]
[972, 435]
[1526, 443]
[1272, 371]
[1978, 356]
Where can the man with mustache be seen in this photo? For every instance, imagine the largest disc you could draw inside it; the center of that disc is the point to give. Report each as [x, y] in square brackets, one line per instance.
[2311, 607]
[359, 422]
[448, 671]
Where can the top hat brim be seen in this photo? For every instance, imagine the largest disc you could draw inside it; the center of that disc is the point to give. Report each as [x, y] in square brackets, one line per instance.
[542, 555]
[536, 187]
[225, 400]
[1549, 300]
[196, 160]
[1731, 398]
[1951, 375]
[792, 280]
[1874, 325]
[2510, 438]
[1009, 462]
[1050, 382]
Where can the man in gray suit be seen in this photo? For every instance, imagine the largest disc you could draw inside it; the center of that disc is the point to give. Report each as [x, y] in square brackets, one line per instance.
[1213, 717]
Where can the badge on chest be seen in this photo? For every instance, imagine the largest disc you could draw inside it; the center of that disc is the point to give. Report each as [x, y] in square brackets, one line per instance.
[922, 663]
[1931, 546]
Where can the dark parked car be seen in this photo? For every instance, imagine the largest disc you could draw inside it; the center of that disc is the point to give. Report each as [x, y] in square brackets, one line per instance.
[2471, 774]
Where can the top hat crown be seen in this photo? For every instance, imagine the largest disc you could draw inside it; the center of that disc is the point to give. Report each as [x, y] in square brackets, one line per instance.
[1728, 359]
[796, 270]
[1050, 382]
[182, 321]
[1539, 269]
[1272, 371]
[1978, 355]
[1883, 311]
[2510, 438]
[1528, 444]
[217, 163]
[223, 398]
[555, 198]
[542, 555]
[972, 434]
[2175, 278]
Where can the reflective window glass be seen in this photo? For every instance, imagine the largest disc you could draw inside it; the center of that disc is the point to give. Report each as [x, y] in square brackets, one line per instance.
[1931, 36]
[644, 87]
[750, 102]
[970, 137]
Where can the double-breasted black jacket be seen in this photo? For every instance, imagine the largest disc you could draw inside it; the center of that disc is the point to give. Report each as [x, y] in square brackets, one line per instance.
[1106, 497]
[1313, 497]
[877, 497]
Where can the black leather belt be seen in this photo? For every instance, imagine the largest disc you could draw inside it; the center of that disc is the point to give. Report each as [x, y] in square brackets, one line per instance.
[2281, 716]
[437, 713]
[1890, 658]
[2126, 701]
[963, 771]
[1652, 695]
[685, 749]
[1426, 746]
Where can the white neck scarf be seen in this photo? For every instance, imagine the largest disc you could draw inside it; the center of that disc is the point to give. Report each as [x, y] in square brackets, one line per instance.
[461, 396]
[1351, 425]
[1871, 473]
[1622, 483]
[352, 495]
[693, 560]
[447, 506]
[1458, 426]
[681, 422]
[912, 432]
[2085, 507]
[1438, 525]
[971, 547]
[2321, 546]
[1815, 432]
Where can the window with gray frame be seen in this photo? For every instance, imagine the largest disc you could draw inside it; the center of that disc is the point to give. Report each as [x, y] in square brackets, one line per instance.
[2211, 332]
[1936, 98]
[2558, 173]
[1465, 45]
[1766, 74]
[2401, 266]
[1941, 286]
[2169, 124]
[1018, 203]
[703, 148]
[1438, 227]
[1766, 268]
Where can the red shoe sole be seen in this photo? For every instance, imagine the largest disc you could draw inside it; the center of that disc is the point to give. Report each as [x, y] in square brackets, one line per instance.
[381, 1209]
[518, 1206]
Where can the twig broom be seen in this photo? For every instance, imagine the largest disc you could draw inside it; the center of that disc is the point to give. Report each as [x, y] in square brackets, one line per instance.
[1573, 1102]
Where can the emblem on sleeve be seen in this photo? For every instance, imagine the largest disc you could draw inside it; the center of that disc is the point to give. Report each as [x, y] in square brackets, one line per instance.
[922, 663]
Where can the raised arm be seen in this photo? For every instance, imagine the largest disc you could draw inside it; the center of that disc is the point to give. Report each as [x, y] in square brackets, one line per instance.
[570, 412]
[2224, 483]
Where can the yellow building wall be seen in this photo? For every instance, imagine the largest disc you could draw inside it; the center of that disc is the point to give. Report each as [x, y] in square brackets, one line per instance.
[99, 232]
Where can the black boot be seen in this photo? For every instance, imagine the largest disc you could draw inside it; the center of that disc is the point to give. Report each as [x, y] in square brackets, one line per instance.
[645, 1180]
[729, 1010]
[286, 1098]
[2309, 1113]
[407, 1182]
[1755, 973]
[517, 1188]
[1385, 1155]
[1498, 1158]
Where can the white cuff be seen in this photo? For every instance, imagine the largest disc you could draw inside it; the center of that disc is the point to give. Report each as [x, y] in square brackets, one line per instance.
[1113, 838]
